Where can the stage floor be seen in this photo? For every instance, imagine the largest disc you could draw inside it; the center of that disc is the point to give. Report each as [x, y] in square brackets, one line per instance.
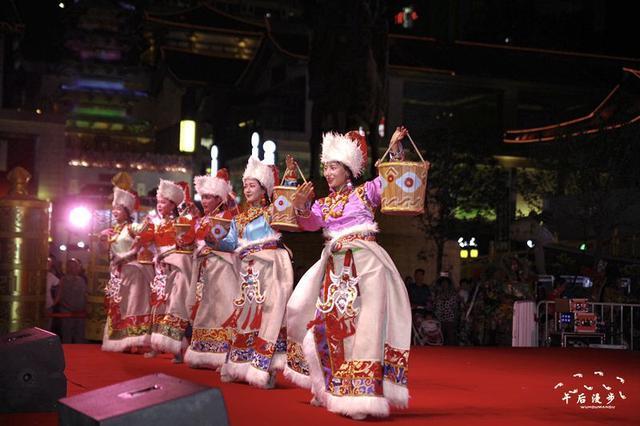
[448, 386]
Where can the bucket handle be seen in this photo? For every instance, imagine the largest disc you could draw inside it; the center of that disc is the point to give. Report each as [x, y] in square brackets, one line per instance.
[220, 205]
[414, 147]
[299, 171]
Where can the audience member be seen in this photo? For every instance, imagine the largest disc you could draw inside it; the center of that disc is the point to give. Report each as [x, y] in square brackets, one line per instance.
[447, 309]
[419, 293]
[51, 291]
[71, 303]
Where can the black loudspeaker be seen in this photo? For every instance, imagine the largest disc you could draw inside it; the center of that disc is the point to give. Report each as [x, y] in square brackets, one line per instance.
[156, 399]
[31, 371]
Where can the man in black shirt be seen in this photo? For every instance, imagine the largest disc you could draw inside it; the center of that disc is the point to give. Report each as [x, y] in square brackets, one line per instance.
[419, 293]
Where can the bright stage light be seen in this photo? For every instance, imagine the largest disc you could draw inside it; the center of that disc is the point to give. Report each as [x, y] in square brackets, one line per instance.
[187, 136]
[80, 217]
[63, 247]
[81, 244]
[255, 141]
[269, 148]
[214, 160]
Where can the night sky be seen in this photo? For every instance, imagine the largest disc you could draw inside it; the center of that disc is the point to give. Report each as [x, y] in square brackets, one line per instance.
[601, 27]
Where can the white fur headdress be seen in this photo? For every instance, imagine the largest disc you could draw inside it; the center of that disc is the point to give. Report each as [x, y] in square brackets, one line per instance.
[124, 198]
[170, 191]
[346, 149]
[214, 185]
[261, 172]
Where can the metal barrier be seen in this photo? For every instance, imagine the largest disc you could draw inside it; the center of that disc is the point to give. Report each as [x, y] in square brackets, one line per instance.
[619, 322]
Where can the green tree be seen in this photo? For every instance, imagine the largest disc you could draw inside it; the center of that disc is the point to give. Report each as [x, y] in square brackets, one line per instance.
[465, 187]
[590, 183]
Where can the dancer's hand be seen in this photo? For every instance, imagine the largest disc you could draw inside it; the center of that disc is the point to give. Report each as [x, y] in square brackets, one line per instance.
[193, 210]
[304, 193]
[106, 234]
[397, 137]
[291, 163]
[137, 243]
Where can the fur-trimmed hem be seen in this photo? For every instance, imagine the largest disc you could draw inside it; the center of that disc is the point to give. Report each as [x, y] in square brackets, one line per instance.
[298, 379]
[162, 343]
[376, 406]
[258, 378]
[245, 244]
[278, 362]
[120, 345]
[365, 228]
[318, 388]
[398, 396]
[235, 372]
[210, 360]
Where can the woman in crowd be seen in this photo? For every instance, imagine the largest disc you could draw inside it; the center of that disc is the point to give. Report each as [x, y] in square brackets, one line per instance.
[215, 278]
[127, 293]
[349, 318]
[258, 345]
[447, 307]
[70, 303]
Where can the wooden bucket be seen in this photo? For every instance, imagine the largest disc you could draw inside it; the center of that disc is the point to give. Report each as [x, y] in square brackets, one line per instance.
[219, 227]
[404, 185]
[181, 230]
[283, 215]
[145, 254]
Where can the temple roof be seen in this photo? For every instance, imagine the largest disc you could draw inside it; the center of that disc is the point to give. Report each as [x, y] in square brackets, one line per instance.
[619, 108]
[505, 62]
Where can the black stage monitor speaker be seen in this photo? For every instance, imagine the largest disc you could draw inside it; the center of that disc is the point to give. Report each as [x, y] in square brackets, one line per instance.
[31, 371]
[156, 400]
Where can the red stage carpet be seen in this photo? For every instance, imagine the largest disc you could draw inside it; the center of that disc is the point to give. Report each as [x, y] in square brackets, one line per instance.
[448, 386]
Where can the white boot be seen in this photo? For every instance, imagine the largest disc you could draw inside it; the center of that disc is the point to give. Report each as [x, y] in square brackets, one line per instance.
[272, 380]
[316, 402]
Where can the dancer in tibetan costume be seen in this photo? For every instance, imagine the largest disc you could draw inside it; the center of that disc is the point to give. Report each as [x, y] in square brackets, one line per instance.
[349, 318]
[173, 237]
[215, 278]
[127, 293]
[258, 346]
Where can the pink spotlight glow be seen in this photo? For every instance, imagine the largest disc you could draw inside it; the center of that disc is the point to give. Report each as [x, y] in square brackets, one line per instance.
[79, 217]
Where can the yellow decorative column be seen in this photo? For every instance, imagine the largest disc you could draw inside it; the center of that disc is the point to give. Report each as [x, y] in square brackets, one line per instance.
[24, 248]
[98, 275]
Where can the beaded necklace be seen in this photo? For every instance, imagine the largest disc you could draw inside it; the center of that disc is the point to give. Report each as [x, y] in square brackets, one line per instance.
[116, 231]
[333, 205]
[246, 217]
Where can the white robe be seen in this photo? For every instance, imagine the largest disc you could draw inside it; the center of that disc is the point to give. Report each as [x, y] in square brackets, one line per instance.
[374, 353]
[213, 288]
